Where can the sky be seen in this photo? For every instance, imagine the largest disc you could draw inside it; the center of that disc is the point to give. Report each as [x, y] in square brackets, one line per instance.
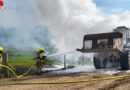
[113, 6]
[67, 20]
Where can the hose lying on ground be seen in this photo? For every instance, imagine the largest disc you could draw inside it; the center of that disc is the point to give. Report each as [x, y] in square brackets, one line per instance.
[64, 82]
[15, 73]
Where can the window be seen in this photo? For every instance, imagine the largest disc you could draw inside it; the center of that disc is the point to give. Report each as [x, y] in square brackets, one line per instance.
[102, 43]
[88, 44]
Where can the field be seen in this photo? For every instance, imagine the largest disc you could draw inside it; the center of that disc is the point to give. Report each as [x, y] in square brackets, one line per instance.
[20, 61]
[26, 61]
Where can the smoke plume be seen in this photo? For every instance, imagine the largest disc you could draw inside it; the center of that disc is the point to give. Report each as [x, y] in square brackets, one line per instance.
[70, 20]
[67, 20]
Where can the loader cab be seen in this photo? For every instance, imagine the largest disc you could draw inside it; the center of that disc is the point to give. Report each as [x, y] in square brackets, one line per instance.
[124, 30]
[103, 42]
[126, 35]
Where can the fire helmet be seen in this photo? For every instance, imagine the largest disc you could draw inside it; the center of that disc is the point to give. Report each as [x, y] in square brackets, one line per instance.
[1, 48]
[41, 49]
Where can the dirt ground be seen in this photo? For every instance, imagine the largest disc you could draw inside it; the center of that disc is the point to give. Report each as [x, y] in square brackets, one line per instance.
[113, 84]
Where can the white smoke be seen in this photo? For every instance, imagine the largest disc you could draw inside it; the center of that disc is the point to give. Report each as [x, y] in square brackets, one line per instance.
[70, 20]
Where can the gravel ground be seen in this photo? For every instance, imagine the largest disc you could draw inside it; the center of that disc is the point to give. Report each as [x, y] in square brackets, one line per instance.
[114, 84]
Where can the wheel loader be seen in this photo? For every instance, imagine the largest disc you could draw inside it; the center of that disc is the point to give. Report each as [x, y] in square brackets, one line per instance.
[111, 50]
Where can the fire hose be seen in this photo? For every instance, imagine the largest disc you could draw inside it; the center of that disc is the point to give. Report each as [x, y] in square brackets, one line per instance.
[64, 82]
[15, 73]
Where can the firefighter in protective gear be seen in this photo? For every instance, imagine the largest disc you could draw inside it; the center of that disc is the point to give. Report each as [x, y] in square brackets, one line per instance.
[1, 55]
[40, 58]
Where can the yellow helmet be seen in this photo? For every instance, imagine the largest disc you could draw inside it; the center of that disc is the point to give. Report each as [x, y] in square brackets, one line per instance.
[1, 48]
[41, 49]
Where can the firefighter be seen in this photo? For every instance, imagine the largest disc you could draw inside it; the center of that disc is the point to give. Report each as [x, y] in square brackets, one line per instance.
[40, 58]
[1, 55]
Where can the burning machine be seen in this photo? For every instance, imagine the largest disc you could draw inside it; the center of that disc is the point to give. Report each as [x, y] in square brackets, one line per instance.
[111, 49]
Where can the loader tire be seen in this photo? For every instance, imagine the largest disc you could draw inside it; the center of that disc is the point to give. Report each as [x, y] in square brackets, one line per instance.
[97, 63]
[125, 60]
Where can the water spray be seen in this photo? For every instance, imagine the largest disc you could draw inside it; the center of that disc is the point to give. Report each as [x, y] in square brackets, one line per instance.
[63, 53]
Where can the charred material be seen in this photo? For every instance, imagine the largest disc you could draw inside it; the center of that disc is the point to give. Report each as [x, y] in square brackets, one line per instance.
[125, 60]
[105, 42]
[111, 49]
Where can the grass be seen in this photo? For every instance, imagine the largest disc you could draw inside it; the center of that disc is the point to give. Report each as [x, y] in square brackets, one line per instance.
[21, 61]
[27, 61]
[20, 64]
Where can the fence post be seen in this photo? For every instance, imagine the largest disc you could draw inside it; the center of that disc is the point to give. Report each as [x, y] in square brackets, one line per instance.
[64, 61]
[82, 60]
[5, 62]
